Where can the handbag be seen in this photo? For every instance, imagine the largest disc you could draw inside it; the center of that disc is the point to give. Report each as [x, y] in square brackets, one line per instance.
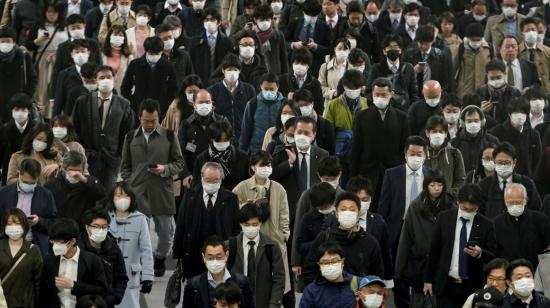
[429, 301]
[172, 296]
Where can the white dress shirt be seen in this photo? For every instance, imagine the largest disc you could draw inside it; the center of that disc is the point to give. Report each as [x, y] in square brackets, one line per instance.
[308, 161]
[536, 121]
[106, 106]
[167, 6]
[20, 128]
[501, 180]
[68, 268]
[73, 8]
[246, 249]
[334, 21]
[518, 81]
[226, 275]
[391, 64]
[453, 271]
[412, 32]
[408, 185]
[205, 198]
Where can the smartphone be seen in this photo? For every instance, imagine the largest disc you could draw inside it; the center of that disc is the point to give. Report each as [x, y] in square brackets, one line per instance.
[46, 33]
[471, 244]
[152, 166]
[422, 63]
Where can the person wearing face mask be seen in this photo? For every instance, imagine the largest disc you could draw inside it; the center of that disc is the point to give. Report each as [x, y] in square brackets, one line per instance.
[200, 290]
[272, 40]
[70, 272]
[89, 84]
[34, 200]
[193, 15]
[451, 105]
[366, 38]
[181, 107]
[473, 55]
[129, 226]
[407, 30]
[178, 56]
[181, 39]
[325, 131]
[370, 292]
[485, 166]
[539, 117]
[331, 15]
[391, 17]
[415, 239]
[265, 271]
[121, 15]
[166, 8]
[401, 74]
[447, 27]
[150, 77]
[472, 136]
[96, 239]
[332, 71]
[218, 209]
[462, 242]
[420, 111]
[520, 72]
[507, 23]
[276, 137]
[380, 129]
[117, 53]
[361, 249]
[517, 131]
[21, 286]
[253, 62]
[519, 277]
[479, 11]
[534, 236]
[243, 22]
[95, 15]
[530, 49]
[142, 30]
[493, 186]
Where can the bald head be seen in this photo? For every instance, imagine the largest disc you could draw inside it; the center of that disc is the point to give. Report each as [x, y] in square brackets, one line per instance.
[431, 89]
[514, 194]
[203, 96]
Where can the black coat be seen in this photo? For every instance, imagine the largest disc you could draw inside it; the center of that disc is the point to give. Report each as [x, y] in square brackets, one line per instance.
[11, 139]
[250, 73]
[199, 51]
[93, 21]
[288, 84]
[471, 146]
[378, 144]
[199, 294]
[384, 25]
[465, 20]
[418, 115]
[309, 227]
[501, 99]
[113, 266]
[527, 144]
[539, 301]
[324, 138]
[192, 22]
[182, 64]
[338, 30]
[404, 83]
[190, 231]
[238, 167]
[526, 236]
[68, 80]
[320, 36]
[161, 13]
[493, 204]
[441, 250]
[158, 83]
[529, 73]
[367, 41]
[440, 65]
[90, 280]
[542, 175]
[276, 56]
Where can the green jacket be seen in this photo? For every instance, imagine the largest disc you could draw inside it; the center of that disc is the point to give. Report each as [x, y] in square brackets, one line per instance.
[448, 160]
[339, 115]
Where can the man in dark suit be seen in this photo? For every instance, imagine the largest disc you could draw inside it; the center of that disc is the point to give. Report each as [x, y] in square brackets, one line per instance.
[390, 19]
[208, 49]
[333, 19]
[94, 17]
[199, 290]
[34, 200]
[520, 73]
[407, 30]
[192, 18]
[379, 136]
[69, 8]
[324, 138]
[179, 57]
[101, 120]
[63, 281]
[310, 32]
[367, 40]
[479, 13]
[208, 209]
[462, 242]
[151, 76]
[505, 158]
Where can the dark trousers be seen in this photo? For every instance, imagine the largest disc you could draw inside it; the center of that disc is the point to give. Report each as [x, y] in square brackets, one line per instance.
[289, 299]
[401, 290]
[455, 294]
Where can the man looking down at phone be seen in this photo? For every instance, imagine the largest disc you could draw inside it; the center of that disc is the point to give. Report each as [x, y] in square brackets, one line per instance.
[521, 232]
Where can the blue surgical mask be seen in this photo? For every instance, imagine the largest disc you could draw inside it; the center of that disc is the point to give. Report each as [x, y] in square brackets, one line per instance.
[269, 95]
[28, 188]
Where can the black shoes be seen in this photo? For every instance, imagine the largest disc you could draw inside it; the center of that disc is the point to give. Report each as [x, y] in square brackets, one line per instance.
[160, 267]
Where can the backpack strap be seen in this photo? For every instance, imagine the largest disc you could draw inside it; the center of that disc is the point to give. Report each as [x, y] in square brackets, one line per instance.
[354, 285]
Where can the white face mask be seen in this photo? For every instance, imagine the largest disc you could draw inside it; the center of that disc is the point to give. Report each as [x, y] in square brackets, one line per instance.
[381, 102]
[39, 146]
[81, 58]
[105, 85]
[169, 44]
[395, 16]
[98, 235]
[246, 52]
[70, 179]
[496, 83]
[540, 37]
[198, 5]
[415, 162]
[176, 33]
[231, 76]
[530, 37]
[365, 205]
[473, 127]
[360, 68]
[478, 18]
[352, 43]
[105, 8]
[122, 204]
[451, 118]
[326, 211]
[20, 116]
[475, 44]
[203, 109]
[263, 172]
[299, 69]
[6, 47]
[289, 139]
[353, 94]
[221, 146]
[310, 19]
[77, 33]
[59, 249]
[303, 142]
[334, 183]
[90, 86]
[509, 11]
[173, 2]
[466, 215]
[537, 105]
[210, 188]
[504, 171]
[341, 55]
[263, 25]
[347, 219]
[215, 266]
[142, 21]
[372, 300]
[437, 139]
[210, 26]
[277, 7]
[286, 117]
[432, 102]
[518, 119]
[412, 21]
[524, 286]
[331, 272]
[153, 58]
[489, 165]
[372, 17]
[306, 110]
[251, 231]
[515, 210]
[124, 10]
[14, 232]
[189, 96]
[59, 132]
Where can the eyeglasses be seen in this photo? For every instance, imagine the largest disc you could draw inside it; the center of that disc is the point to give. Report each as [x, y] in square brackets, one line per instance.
[495, 279]
[330, 262]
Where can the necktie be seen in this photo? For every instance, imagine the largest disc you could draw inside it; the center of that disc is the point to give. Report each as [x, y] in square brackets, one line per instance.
[393, 68]
[306, 34]
[462, 257]
[212, 44]
[209, 204]
[303, 173]
[427, 72]
[414, 186]
[251, 266]
[101, 110]
[532, 54]
[504, 185]
[330, 23]
[395, 24]
[511, 81]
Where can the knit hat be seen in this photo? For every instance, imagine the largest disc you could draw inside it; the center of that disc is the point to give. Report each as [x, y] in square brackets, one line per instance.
[474, 30]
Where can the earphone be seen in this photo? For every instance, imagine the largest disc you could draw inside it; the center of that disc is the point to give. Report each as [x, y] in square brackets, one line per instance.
[469, 108]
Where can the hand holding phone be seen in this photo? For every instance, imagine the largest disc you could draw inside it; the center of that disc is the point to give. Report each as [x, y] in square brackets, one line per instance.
[471, 244]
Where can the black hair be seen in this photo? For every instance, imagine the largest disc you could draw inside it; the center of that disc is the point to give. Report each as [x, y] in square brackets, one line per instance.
[322, 194]
[212, 12]
[329, 166]
[21, 100]
[162, 28]
[347, 196]
[495, 65]
[449, 17]
[8, 32]
[228, 293]
[356, 56]
[263, 11]
[249, 3]
[330, 247]
[149, 105]
[128, 191]
[470, 193]
[145, 9]
[388, 39]
[536, 92]
[416, 140]
[269, 77]
[506, 148]
[293, 104]
[354, 7]
[260, 156]
[255, 209]
[412, 7]
[518, 104]
[26, 145]
[307, 120]
[312, 7]
[435, 121]
[75, 19]
[496, 263]
[425, 34]
[303, 94]
[231, 60]
[451, 99]
[153, 44]
[58, 8]
[214, 241]
[430, 177]
[217, 128]
[79, 43]
[302, 55]
[95, 213]
[102, 68]
[31, 167]
[87, 70]
[358, 183]
[507, 37]
[91, 301]
[353, 79]
[382, 82]
[518, 263]
[479, 171]
[64, 229]
[527, 21]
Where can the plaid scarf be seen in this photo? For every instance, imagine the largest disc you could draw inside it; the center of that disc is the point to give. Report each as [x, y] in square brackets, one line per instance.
[221, 157]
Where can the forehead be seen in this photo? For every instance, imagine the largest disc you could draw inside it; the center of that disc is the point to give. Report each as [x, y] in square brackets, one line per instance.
[246, 40]
[99, 221]
[213, 250]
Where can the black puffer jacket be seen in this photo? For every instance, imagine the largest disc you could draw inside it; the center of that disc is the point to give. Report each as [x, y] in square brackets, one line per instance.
[470, 146]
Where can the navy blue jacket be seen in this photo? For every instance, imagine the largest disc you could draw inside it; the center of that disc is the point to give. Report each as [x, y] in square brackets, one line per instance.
[320, 36]
[324, 294]
[42, 205]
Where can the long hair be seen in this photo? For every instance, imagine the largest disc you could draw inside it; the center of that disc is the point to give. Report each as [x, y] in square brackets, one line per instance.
[124, 49]
[26, 145]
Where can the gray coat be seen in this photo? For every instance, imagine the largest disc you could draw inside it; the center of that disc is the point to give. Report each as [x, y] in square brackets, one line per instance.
[268, 292]
[154, 193]
[542, 276]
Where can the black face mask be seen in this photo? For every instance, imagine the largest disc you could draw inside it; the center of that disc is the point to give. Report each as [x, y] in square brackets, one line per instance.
[392, 54]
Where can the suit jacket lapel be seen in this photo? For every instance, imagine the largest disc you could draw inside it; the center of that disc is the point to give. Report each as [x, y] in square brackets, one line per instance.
[240, 255]
[313, 157]
[204, 290]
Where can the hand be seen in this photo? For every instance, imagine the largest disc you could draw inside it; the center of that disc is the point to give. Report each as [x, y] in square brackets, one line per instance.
[427, 289]
[33, 219]
[49, 170]
[473, 252]
[419, 68]
[290, 95]
[247, 26]
[387, 293]
[486, 106]
[77, 175]
[291, 156]
[311, 44]
[146, 286]
[64, 283]
[158, 170]
[297, 45]
[225, 24]
[187, 181]
[40, 40]
[297, 270]
[467, 12]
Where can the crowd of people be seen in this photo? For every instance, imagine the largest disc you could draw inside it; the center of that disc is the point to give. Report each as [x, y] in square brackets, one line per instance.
[359, 152]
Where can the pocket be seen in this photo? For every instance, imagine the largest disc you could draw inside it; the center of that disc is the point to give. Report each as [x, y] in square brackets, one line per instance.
[134, 277]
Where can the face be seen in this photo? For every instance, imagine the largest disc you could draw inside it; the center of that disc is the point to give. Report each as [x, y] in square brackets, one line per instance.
[98, 223]
[487, 154]
[447, 27]
[77, 26]
[355, 19]
[327, 179]
[347, 205]
[495, 75]
[6, 40]
[42, 137]
[13, 220]
[381, 92]
[395, 10]
[212, 18]
[504, 159]
[142, 13]
[479, 10]
[331, 258]
[124, 2]
[27, 179]
[497, 279]
[451, 109]
[436, 130]
[305, 129]
[468, 207]
[435, 189]
[212, 176]
[303, 103]
[341, 47]
[509, 49]
[212, 253]
[373, 288]
[510, 3]
[392, 45]
[249, 10]
[120, 194]
[529, 27]
[247, 42]
[253, 222]
[432, 92]
[414, 13]
[329, 8]
[51, 15]
[269, 86]
[288, 111]
[472, 117]
[79, 50]
[514, 197]
[166, 36]
[424, 46]
[149, 120]
[415, 150]
[519, 273]
[363, 195]
[107, 74]
[75, 168]
[20, 109]
[290, 131]
[372, 9]
[541, 28]
[203, 97]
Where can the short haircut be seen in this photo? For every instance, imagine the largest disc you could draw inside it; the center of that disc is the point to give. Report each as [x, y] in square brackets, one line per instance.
[31, 167]
[451, 99]
[249, 210]
[357, 56]
[214, 241]
[536, 92]
[269, 77]
[173, 21]
[518, 104]
[425, 34]
[8, 32]
[21, 100]
[302, 55]
[228, 293]
[73, 158]
[416, 140]
[507, 37]
[303, 94]
[149, 105]
[412, 7]
[20, 215]
[75, 19]
[435, 121]
[307, 120]
[330, 247]
[95, 213]
[496, 263]
[329, 166]
[79, 43]
[322, 194]
[263, 12]
[260, 156]
[506, 148]
[358, 183]
[231, 60]
[392, 38]
[347, 196]
[64, 229]
[518, 263]
[495, 65]
[128, 191]
[382, 82]
[102, 68]
[191, 80]
[144, 8]
[212, 12]
[354, 7]
[88, 301]
[162, 28]
[87, 70]
[471, 109]
[449, 17]
[212, 165]
[527, 21]
[433, 176]
[353, 79]
[218, 128]
[470, 193]
[313, 7]
[153, 44]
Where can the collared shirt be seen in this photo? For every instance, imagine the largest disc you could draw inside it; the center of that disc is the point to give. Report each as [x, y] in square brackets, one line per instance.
[412, 32]
[408, 184]
[106, 106]
[167, 6]
[147, 135]
[246, 249]
[261, 190]
[390, 65]
[226, 276]
[518, 80]
[68, 268]
[205, 197]
[501, 180]
[453, 271]
[24, 203]
[511, 26]
[231, 89]
[536, 121]
[363, 221]
[452, 131]
[300, 80]
[20, 128]
[308, 160]
[73, 8]
[334, 21]
[213, 37]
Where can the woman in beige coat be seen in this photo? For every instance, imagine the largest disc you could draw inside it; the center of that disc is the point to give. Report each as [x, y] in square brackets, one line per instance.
[447, 28]
[137, 35]
[117, 53]
[332, 71]
[259, 186]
